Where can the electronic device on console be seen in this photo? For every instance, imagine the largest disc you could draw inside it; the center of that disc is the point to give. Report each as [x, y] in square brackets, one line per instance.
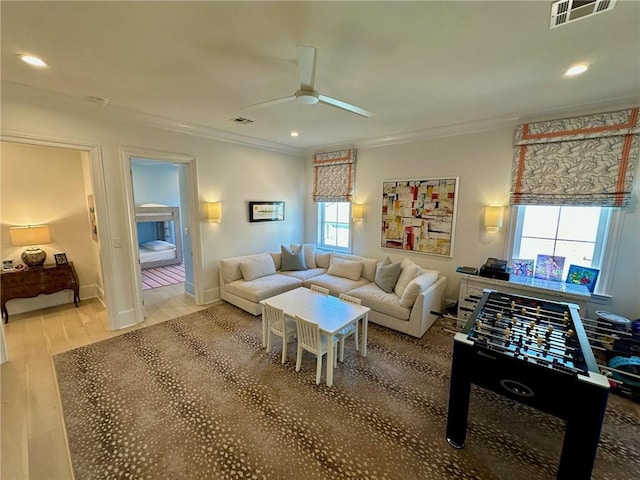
[536, 352]
[495, 268]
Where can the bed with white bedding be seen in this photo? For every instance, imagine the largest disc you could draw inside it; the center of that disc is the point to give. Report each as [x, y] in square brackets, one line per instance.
[158, 235]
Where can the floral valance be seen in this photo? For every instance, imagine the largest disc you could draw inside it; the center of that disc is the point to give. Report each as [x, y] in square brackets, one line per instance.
[588, 160]
[334, 176]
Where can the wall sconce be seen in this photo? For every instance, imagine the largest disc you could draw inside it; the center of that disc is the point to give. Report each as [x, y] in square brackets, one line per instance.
[31, 235]
[357, 211]
[493, 217]
[214, 212]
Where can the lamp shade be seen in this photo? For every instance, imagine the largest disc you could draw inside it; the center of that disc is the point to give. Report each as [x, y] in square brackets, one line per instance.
[214, 212]
[493, 217]
[357, 212]
[30, 235]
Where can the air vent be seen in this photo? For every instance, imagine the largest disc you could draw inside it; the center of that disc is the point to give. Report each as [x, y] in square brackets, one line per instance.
[567, 11]
[242, 120]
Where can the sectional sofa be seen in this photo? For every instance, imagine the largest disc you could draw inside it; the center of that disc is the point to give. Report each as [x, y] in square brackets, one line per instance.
[401, 295]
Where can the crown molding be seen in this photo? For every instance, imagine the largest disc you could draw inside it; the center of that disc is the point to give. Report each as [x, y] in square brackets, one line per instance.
[145, 119]
[436, 131]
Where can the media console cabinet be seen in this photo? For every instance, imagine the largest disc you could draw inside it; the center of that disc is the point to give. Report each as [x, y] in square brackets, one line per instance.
[34, 281]
[473, 286]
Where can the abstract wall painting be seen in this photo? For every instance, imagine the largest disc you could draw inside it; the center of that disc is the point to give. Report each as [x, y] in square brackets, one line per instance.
[420, 215]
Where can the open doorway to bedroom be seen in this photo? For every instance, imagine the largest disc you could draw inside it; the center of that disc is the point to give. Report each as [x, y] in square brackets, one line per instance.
[161, 226]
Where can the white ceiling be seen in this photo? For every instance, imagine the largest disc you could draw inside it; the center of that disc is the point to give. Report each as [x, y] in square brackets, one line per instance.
[419, 66]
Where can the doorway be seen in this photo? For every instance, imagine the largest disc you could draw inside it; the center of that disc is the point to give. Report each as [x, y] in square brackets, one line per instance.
[163, 207]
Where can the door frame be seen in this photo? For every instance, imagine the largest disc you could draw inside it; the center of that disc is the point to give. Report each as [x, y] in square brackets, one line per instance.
[127, 154]
[96, 173]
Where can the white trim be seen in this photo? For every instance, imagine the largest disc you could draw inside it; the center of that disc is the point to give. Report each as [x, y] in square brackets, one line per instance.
[611, 248]
[127, 153]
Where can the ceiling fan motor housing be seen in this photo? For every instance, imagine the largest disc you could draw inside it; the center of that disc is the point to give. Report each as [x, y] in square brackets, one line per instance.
[307, 97]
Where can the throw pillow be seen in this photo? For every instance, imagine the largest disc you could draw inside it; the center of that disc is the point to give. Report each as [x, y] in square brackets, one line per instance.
[369, 265]
[345, 268]
[292, 259]
[322, 259]
[256, 266]
[387, 276]
[309, 253]
[417, 285]
[409, 271]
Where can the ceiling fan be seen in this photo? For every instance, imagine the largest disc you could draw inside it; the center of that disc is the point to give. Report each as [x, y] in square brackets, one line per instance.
[307, 94]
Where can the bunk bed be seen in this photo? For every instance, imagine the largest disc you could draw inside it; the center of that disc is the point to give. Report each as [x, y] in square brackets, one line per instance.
[159, 235]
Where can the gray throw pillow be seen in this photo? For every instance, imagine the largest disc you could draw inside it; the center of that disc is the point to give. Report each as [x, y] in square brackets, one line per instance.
[387, 276]
[292, 259]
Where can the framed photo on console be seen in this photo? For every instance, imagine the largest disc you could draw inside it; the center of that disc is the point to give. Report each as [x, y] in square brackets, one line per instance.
[61, 258]
[266, 211]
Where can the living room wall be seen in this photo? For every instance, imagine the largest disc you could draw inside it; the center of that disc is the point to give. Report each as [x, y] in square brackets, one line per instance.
[482, 161]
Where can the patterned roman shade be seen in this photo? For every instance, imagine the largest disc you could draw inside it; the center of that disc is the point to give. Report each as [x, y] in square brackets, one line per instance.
[587, 160]
[334, 176]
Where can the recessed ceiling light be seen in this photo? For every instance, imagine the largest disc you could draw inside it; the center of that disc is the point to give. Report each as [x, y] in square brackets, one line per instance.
[294, 134]
[576, 70]
[33, 60]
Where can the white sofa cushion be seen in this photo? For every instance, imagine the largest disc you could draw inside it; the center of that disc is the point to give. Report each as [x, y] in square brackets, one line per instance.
[323, 259]
[309, 253]
[263, 287]
[417, 285]
[345, 268]
[230, 269]
[277, 259]
[377, 299]
[336, 285]
[369, 265]
[409, 271]
[256, 266]
[304, 274]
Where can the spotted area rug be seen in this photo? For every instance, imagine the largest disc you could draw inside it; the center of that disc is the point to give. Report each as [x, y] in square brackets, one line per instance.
[198, 398]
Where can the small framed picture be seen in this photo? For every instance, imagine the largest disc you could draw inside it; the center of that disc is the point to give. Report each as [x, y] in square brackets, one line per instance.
[7, 264]
[61, 258]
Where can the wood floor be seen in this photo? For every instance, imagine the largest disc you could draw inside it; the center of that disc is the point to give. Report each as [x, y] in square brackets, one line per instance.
[32, 441]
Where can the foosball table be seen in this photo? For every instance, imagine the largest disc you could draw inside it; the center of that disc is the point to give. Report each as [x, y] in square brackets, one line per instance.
[536, 352]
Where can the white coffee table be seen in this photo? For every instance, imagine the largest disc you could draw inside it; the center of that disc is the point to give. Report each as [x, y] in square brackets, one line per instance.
[331, 313]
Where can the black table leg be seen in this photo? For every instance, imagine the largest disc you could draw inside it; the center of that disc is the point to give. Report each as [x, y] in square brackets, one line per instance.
[459, 394]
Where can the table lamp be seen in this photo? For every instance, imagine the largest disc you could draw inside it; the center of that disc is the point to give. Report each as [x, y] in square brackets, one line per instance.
[31, 235]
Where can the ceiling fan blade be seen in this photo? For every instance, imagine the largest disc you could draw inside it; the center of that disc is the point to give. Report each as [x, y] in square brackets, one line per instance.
[307, 66]
[268, 103]
[345, 106]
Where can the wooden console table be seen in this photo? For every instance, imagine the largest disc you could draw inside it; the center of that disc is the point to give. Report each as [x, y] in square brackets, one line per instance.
[34, 281]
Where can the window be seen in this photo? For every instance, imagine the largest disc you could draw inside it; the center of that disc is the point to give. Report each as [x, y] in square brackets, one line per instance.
[583, 235]
[334, 227]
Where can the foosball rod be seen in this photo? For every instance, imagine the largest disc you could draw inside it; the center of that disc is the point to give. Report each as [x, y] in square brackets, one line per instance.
[621, 372]
[546, 320]
[555, 338]
[528, 309]
[501, 339]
